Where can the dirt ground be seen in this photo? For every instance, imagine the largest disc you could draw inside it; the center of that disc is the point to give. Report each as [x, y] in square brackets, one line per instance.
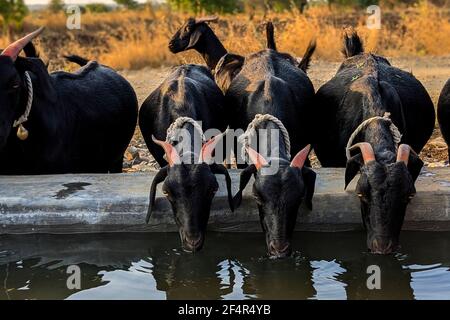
[433, 72]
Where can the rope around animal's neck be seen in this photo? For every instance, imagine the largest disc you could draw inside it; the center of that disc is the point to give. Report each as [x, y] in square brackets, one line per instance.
[251, 130]
[177, 124]
[396, 135]
[24, 117]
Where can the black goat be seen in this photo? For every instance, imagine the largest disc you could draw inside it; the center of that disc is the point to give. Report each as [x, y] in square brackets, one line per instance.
[279, 188]
[196, 34]
[78, 122]
[443, 112]
[367, 87]
[189, 178]
[267, 82]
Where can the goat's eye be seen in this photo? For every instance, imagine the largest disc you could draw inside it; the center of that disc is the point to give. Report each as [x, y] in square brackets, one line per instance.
[411, 196]
[13, 87]
[165, 193]
[360, 195]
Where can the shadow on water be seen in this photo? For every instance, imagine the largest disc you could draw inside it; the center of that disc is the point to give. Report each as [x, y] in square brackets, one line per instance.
[231, 266]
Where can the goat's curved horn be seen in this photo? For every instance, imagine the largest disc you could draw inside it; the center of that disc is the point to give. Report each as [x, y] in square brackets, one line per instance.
[171, 152]
[14, 48]
[207, 19]
[300, 157]
[403, 153]
[366, 151]
[258, 160]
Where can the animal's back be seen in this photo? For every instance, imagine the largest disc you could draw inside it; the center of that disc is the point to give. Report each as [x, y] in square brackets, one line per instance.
[364, 77]
[189, 91]
[93, 88]
[80, 122]
[270, 83]
[258, 65]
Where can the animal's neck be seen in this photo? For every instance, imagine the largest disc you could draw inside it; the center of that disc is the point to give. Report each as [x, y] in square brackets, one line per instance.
[211, 49]
[379, 135]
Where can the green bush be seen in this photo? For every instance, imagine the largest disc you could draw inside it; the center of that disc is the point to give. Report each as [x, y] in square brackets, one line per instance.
[97, 7]
[13, 12]
[129, 4]
[207, 6]
[56, 6]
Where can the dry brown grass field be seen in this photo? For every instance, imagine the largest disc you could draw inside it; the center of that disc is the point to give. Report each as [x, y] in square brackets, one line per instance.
[135, 42]
[137, 39]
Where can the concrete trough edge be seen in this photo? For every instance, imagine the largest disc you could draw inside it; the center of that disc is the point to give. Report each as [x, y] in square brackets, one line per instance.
[118, 203]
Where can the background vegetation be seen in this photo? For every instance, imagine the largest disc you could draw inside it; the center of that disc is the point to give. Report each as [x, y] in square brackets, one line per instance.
[132, 35]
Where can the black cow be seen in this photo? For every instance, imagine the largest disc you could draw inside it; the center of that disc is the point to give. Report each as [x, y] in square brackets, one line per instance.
[367, 86]
[189, 178]
[443, 113]
[78, 122]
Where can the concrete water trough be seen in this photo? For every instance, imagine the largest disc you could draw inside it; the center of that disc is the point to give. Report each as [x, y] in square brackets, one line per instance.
[118, 203]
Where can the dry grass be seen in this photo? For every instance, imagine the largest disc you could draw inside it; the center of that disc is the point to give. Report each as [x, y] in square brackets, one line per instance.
[132, 40]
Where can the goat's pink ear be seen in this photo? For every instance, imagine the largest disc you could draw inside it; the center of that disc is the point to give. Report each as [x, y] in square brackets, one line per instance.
[300, 157]
[257, 159]
[171, 153]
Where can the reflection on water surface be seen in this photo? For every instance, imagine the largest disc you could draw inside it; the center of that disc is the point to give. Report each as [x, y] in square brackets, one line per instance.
[231, 266]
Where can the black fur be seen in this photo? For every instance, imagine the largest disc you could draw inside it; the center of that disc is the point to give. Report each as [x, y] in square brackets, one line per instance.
[366, 86]
[200, 37]
[79, 122]
[30, 50]
[443, 112]
[188, 91]
[306, 59]
[77, 59]
[270, 36]
[352, 44]
[268, 83]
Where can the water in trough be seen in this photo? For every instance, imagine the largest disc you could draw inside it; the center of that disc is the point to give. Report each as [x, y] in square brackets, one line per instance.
[231, 266]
